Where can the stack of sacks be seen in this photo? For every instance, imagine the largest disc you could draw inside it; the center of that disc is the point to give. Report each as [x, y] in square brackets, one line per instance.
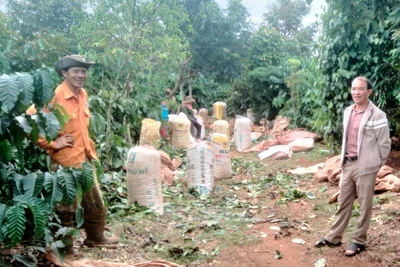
[203, 113]
[280, 124]
[330, 172]
[386, 181]
[257, 128]
[263, 145]
[222, 127]
[298, 140]
[289, 136]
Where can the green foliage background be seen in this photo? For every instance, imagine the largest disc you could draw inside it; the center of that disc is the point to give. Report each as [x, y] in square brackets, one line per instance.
[358, 38]
[29, 193]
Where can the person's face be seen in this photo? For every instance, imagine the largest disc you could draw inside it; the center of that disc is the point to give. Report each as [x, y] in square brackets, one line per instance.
[360, 92]
[75, 76]
[189, 106]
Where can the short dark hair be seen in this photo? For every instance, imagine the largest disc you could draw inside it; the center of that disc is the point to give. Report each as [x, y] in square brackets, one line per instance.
[365, 79]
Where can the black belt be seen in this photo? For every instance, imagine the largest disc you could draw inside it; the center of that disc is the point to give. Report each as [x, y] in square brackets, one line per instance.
[353, 158]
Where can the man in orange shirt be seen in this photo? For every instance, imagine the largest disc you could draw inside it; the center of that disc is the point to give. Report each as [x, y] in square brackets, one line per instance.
[73, 146]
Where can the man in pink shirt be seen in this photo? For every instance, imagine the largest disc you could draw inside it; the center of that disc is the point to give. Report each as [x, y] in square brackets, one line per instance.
[365, 147]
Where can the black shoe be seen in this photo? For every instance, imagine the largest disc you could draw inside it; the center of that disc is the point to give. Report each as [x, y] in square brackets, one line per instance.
[355, 249]
[323, 242]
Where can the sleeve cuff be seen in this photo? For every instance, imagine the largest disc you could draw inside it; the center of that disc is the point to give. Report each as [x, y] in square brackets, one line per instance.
[52, 145]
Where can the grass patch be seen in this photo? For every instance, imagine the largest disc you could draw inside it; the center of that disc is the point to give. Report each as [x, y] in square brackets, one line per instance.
[387, 197]
[317, 153]
[324, 208]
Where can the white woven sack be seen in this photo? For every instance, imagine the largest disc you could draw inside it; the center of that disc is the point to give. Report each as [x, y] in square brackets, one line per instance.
[149, 132]
[277, 152]
[280, 124]
[242, 133]
[250, 115]
[144, 178]
[200, 168]
[204, 114]
[221, 126]
[222, 161]
[219, 110]
[180, 133]
[302, 144]
[203, 129]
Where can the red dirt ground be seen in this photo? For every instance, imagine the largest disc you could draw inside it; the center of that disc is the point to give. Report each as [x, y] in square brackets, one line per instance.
[305, 255]
[303, 222]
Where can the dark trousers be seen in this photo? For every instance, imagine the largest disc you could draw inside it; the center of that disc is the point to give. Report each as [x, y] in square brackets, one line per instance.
[195, 124]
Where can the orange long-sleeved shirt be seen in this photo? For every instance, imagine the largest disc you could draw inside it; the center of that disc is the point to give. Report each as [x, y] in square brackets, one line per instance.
[78, 126]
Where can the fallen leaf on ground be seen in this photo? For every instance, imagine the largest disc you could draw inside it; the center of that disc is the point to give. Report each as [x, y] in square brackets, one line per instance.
[320, 263]
[263, 235]
[278, 255]
[298, 241]
[275, 228]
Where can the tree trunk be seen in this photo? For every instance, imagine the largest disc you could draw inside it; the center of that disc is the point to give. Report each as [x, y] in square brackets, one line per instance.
[180, 77]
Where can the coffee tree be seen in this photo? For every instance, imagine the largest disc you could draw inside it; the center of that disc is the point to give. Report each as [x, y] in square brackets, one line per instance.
[357, 39]
[28, 196]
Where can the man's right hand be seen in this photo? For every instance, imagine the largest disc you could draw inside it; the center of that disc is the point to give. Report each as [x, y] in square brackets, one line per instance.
[64, 141]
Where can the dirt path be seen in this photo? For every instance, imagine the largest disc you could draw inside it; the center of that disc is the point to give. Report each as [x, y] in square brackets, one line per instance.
[189, 232]
[306, 224]
[293, 255]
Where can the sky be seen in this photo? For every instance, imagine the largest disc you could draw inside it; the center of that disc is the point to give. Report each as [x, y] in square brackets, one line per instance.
[258, 7]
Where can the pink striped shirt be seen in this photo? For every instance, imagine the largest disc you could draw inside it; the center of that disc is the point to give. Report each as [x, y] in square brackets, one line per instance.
[352, 135]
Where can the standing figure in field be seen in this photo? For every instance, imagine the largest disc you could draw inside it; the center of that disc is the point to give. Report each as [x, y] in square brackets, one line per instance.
[187, 108]
[73, 147]
[365, 148]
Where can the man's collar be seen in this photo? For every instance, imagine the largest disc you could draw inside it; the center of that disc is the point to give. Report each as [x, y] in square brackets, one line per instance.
[67, 92]
[354, 107]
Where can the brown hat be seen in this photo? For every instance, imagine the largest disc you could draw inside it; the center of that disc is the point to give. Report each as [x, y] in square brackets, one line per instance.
[188, 100]
[72, 61]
